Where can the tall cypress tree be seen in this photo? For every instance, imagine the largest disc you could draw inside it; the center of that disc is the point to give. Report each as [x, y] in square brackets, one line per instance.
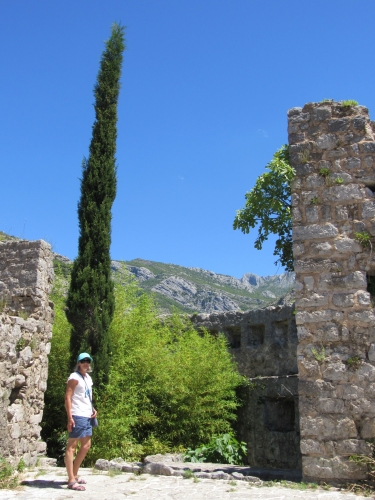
[90, 304]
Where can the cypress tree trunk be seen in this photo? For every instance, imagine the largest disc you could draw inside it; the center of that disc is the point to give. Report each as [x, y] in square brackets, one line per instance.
[90, 304]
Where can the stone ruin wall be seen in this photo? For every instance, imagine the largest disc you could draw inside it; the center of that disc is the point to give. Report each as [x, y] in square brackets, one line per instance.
[332, 148]
[264, 345]
[310, 402]
[26, 315]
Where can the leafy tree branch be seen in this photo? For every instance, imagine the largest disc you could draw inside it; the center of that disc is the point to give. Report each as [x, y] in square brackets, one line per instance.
[268, 206]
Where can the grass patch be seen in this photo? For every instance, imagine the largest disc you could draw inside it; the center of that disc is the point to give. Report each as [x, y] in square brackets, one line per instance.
[349, 102]
[8, 476]
[363, 238]
[354, 362]
[319, 356]
[114, 472]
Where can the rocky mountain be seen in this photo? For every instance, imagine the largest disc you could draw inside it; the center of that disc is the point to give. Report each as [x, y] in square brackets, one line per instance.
[191, 289]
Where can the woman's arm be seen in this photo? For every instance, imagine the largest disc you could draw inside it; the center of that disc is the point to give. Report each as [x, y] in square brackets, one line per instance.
[70, 386]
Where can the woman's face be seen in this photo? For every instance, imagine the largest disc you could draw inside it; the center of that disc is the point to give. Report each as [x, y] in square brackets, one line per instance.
[84, 365]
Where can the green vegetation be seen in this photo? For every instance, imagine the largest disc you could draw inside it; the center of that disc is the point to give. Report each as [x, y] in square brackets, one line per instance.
[348, 103]
[292, 485]
[304, 156]
[339, 180]
[21, 344]
[268, 206]
[90, 304]
[319, 356]
[315, 201]
[8, 476]
[354, 362]
[188, 474]
[363, 239]
[169, 387]
[21, 465]
[223, 449]
[324, 172]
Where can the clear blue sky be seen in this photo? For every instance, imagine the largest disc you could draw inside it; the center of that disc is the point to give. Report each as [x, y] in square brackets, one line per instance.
[206, 86]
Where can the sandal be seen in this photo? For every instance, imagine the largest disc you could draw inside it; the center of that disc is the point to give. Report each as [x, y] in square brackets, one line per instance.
[76, 486]
[80, 480]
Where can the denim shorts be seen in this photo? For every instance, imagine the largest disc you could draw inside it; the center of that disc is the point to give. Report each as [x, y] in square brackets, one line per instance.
[82, 427]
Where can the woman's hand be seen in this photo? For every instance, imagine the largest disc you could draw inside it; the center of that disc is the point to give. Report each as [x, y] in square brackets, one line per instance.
[71, 424]
[94, 413]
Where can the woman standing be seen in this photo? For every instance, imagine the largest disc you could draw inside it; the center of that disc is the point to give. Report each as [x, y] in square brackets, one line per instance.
[79, 409]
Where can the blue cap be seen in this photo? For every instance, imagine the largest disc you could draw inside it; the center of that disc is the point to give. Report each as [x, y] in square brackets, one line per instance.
[84, 355]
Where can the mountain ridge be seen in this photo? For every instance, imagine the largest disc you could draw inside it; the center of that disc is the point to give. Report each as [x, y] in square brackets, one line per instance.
[193, 289]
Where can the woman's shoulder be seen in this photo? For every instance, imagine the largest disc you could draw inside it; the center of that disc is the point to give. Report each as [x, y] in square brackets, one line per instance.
[74, 376]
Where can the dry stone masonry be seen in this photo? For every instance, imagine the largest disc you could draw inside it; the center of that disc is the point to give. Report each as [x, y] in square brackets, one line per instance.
[26, 314]
[332, 148]
[264, 345]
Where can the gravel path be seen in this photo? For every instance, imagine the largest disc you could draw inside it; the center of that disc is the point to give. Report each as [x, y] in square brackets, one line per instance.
[51, 484]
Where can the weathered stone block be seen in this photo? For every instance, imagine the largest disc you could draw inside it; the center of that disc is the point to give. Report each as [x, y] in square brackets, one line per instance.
[323, 248]
[367, 147]
[314, 181]
[330, 405]
[327, 427]
[359, 122]
[159, 469]
[367, 429]
[312, 300]
[368, 209]
[313, 265]
[294, 111]
[362, 317]
[299, 117]
[339, 125]
[351, 392]
[332, 468]
[335, 370]
[363, 298]
[353, 281]
[312, 214]
[312, 447]
[326, 141]
[343, 299]
[314, 231]
[347, 245]
[320, 114]
[318, 316]
[371, 353]
[344, 193]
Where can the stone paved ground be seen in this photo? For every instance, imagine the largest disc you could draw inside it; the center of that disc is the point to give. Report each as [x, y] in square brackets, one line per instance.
[51, 484]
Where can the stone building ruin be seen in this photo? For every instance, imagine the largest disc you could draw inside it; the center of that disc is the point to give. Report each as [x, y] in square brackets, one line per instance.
[332, 148]
[26, 315]
[264, 345]
[330, 342]
[310, 402]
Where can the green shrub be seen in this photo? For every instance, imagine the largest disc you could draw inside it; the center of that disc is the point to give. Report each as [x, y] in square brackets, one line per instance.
[8, 477]
[349, 102]
[21, 465]
[223, 449]
[170, 387]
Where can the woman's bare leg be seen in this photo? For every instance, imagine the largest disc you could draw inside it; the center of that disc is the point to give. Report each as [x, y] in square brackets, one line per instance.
[85, 446]
[69, 456]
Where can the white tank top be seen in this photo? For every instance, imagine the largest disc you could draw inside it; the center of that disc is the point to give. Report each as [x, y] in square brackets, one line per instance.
[81, 404]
